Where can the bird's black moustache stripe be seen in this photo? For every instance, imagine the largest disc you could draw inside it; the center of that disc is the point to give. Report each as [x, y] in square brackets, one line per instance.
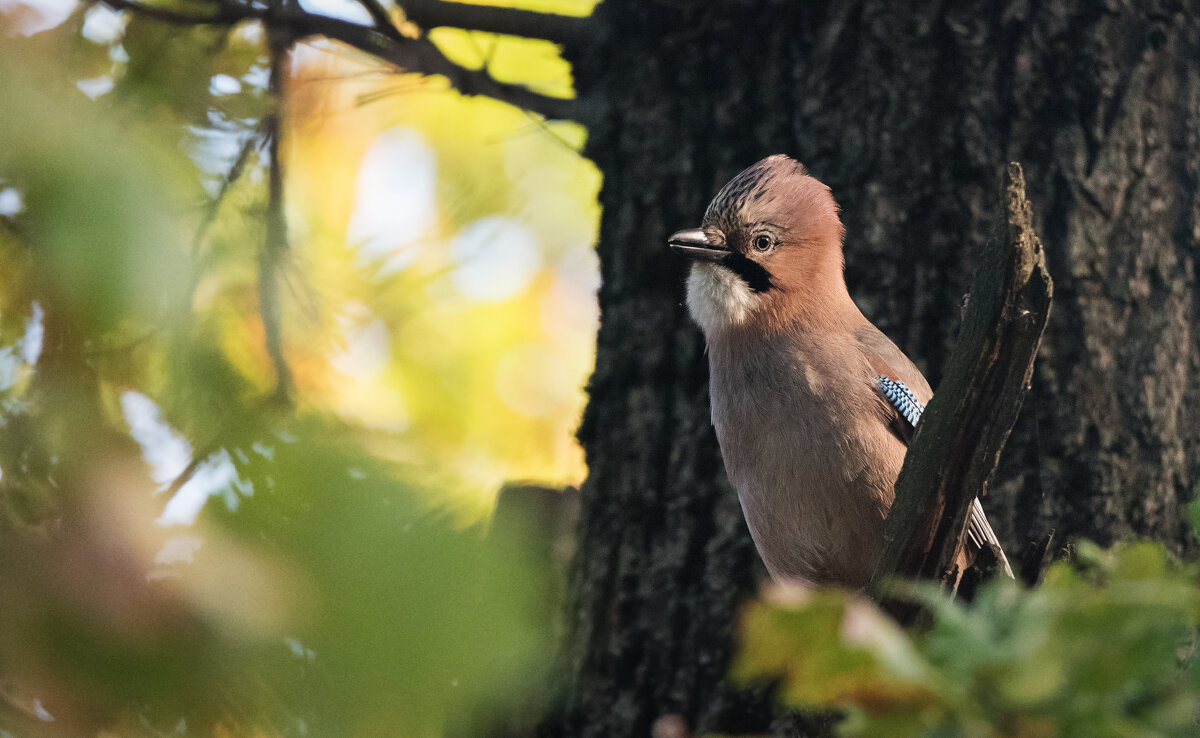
[752, 273]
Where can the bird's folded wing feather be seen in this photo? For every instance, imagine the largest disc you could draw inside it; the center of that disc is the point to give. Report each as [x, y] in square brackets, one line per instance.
[905, 392]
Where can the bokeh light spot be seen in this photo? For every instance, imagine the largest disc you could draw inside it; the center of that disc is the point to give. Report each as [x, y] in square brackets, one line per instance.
[497, 258]
[395, 195]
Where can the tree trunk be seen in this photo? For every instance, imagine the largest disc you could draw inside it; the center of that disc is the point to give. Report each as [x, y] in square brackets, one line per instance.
[909, 111]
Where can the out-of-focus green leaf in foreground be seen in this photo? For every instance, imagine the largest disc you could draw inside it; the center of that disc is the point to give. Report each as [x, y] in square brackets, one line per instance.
[320, 599]
[1102, 648]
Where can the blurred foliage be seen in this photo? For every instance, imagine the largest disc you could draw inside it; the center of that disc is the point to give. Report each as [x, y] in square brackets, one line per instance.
[490, 344]
[179, 552]
[400, 311]
[1104, 647]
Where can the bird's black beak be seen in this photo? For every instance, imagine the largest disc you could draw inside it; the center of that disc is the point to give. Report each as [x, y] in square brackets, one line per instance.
[694, 244]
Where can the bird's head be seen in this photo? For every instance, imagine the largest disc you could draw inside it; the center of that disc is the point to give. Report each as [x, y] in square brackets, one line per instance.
[769, 249]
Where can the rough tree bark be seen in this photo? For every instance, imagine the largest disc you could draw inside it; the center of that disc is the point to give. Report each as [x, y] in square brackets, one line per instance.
[908, 111]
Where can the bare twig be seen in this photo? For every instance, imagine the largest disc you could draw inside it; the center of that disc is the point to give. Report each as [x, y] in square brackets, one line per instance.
[213, 207]
[418, 55]
[188, 472]
[383, 21]
[560, 29]
[423, 57]
[539, 126]
[960, 436]
[276, 243]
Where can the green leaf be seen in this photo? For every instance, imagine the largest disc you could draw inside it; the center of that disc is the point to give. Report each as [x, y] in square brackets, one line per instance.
[1094, 651]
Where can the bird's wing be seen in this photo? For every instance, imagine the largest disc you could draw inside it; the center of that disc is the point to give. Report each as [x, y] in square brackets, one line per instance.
[889, 361]
[907, 382]
[905, 406]
[979, 533]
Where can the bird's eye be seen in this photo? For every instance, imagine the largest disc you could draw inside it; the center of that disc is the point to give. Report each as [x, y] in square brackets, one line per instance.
[762, 242]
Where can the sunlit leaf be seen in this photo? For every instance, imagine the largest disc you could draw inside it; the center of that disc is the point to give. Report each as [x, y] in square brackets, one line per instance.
[1096, 650]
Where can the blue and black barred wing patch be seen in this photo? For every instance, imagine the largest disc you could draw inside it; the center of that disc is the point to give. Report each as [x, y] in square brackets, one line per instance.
[901, 398]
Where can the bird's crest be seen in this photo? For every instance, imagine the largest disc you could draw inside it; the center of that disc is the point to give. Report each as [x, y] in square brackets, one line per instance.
[748, 187]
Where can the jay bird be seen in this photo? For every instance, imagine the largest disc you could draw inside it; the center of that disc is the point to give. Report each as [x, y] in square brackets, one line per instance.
[813, 406]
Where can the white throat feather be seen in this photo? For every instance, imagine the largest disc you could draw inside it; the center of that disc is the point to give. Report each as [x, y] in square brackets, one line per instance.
[718, 298]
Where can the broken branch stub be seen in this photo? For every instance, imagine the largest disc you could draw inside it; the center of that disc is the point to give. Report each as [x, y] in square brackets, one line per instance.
[959, 438]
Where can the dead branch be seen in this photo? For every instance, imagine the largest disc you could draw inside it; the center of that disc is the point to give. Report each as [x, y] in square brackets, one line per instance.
[383, 21]
[422, 56]
[560, 29]
[383, 42]
[958, 441]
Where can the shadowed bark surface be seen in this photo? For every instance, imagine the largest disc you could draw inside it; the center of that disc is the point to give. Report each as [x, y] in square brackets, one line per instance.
[909, 111]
